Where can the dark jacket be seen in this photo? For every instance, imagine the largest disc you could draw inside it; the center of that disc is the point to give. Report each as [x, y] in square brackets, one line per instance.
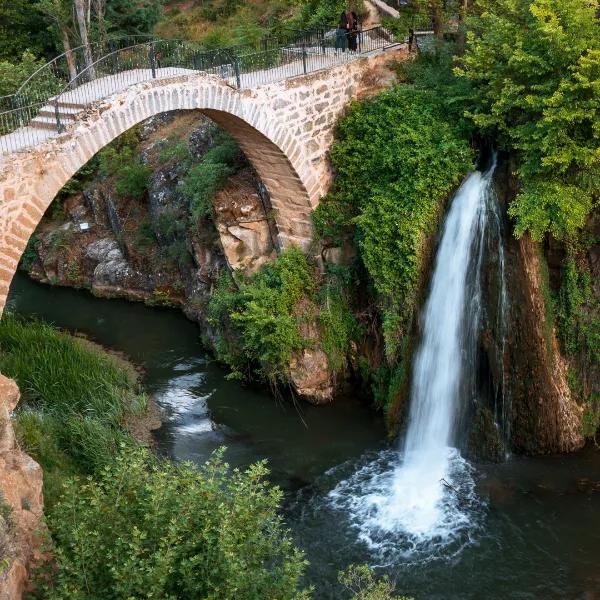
[345, 22]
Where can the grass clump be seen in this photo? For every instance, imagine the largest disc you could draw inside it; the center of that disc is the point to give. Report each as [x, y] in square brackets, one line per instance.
[74, 401]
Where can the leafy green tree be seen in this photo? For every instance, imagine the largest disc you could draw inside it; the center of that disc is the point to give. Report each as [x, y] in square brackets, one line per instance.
[128, 18]
[22, 28]
[150, 529]
[535, 70]
[13, 74]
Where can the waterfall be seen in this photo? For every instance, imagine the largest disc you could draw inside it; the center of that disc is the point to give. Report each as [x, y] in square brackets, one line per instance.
[425, 496]
[450, 326]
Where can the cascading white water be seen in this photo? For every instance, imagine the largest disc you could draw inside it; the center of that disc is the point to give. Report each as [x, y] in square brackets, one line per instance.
[424, 497]
[421, 480]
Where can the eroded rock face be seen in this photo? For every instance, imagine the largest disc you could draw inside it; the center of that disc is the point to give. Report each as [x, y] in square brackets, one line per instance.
[111, 267]
[311, 376]
[545, 416]
[243, 226]
[542, 415]
[21, 496]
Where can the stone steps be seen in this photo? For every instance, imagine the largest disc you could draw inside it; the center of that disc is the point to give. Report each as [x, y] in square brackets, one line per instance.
[46, 118]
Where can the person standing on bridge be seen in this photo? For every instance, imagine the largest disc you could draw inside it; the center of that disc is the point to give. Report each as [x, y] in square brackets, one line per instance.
[341, 35]
[353, 32]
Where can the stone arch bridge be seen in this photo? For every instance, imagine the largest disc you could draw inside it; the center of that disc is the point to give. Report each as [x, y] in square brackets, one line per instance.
[285, 128]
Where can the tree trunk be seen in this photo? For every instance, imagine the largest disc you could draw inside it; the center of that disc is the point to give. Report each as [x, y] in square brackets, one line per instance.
[68, 54]
[462, 33]
[83, 31]
[436, 14]
[100, 9]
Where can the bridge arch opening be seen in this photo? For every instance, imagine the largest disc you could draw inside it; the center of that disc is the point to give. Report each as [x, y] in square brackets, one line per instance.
[30, 181]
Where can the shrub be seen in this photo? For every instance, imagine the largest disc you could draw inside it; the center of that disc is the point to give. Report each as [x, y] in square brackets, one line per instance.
[121, 160]
[205, 179]
[361, 583]
[397, 159]
[156, 529]
[201, 184]
[266, 313]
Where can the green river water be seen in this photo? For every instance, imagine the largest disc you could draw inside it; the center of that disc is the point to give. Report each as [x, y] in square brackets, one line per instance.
[535, 528]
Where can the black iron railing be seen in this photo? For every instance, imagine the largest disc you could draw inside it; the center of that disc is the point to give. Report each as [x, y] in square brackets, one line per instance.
[55, 93]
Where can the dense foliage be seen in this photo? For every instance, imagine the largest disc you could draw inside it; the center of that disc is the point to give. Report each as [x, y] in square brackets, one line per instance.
[149, 529]
[267, 318]
[265, 311]
[534, 66]
[397, 159]
[204, 179]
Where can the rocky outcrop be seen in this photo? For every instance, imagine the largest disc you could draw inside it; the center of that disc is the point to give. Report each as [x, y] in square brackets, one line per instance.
[241, 219]
[21, 503]
[522, 365]
[311, 376]
[545, 416]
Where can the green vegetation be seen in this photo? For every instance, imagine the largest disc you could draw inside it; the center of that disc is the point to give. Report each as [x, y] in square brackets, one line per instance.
[222, 23]
[206, 178]
[75, 399]
[267, 318]
[397, 159]
[534, 66]
[266, 313]
[150, 529]
[121, 159]
[361, 583]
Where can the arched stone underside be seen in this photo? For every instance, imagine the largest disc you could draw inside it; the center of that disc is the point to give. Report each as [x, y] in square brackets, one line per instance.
[284, 128]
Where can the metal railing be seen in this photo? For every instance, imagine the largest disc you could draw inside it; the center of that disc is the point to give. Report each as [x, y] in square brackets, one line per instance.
[55, 93]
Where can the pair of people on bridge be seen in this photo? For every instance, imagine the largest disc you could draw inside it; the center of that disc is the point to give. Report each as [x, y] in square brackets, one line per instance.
[346, 37]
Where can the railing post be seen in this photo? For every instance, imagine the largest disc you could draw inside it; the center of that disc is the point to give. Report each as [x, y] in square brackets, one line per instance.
[359, 35]
[265, 43]
[113, 54]
[59, 126]
[323, 40]
[152, 60]
[236, 68]
[304, 57]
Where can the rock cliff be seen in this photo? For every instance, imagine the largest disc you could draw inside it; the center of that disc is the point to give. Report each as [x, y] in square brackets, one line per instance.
[21, 503]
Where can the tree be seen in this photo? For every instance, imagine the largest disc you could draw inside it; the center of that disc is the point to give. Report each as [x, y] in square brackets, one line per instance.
[150, 529]
[535, 70]
[59, 14]
[82, 13]
[22, 28]
[125, 17]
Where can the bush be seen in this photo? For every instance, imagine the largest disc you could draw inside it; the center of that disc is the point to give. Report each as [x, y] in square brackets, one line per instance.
[13, 74]
[361, 583]
[121, 160]
[201, 184]
[397, 159]
[266, 312]
[205, 179]
[149, 529]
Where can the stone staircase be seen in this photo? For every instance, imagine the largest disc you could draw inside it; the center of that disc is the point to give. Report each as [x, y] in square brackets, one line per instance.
[46, 118]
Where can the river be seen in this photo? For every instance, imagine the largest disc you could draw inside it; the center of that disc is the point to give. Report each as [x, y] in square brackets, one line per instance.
[534, 530]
